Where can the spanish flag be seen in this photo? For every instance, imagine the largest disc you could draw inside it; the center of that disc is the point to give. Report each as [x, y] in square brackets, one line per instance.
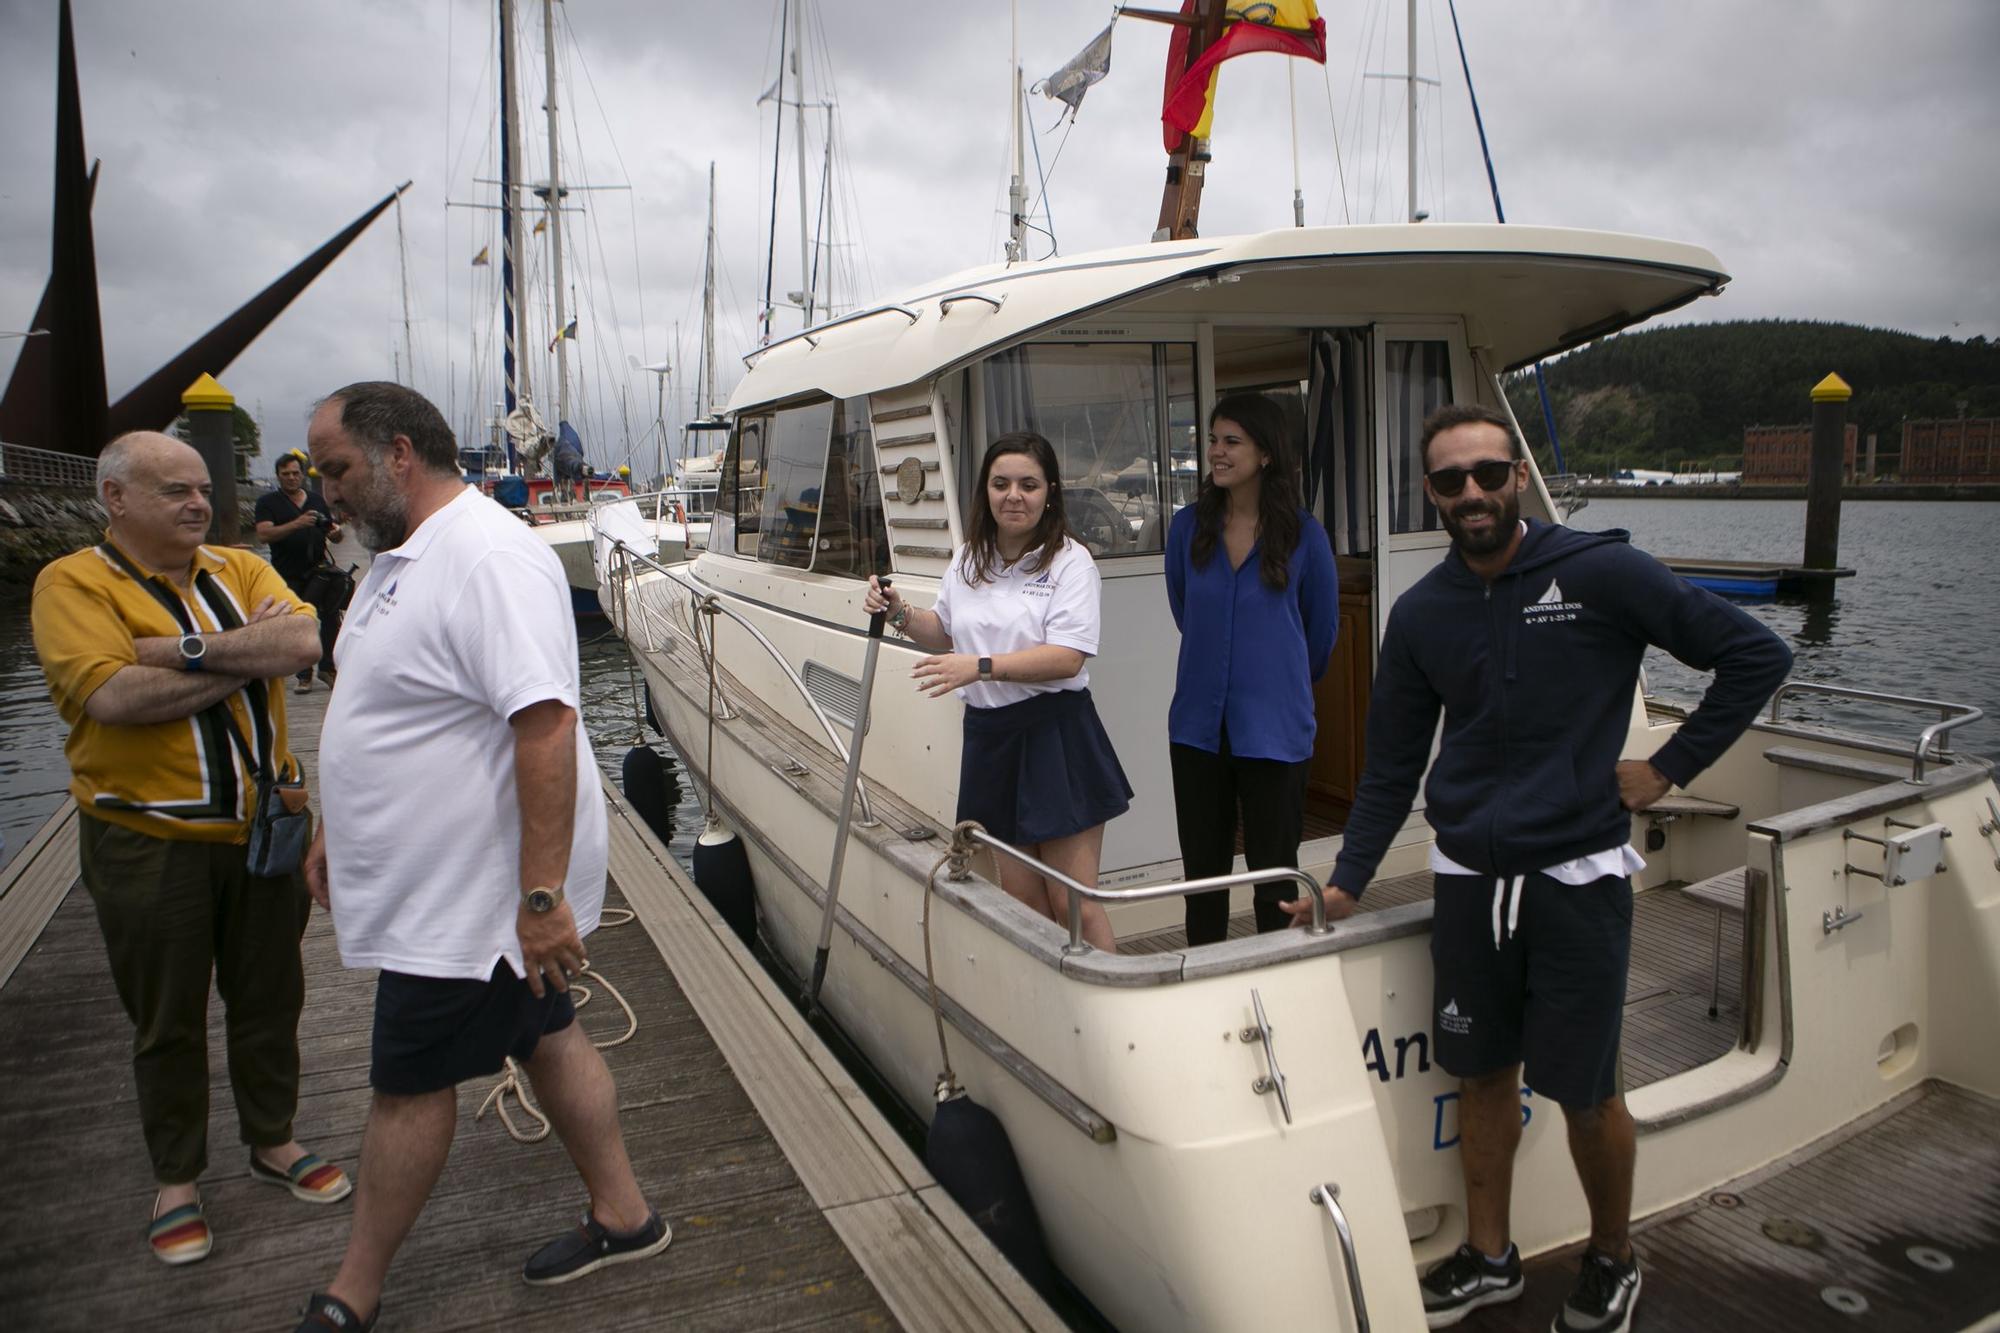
[569, 332]
[1288, 27]
[480, 260]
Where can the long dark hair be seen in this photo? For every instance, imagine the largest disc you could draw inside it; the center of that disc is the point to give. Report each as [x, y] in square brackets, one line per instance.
[983, 534]
[1278, 490]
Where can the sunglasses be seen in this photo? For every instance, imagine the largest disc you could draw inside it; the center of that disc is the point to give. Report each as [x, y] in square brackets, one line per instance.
[1491, 475]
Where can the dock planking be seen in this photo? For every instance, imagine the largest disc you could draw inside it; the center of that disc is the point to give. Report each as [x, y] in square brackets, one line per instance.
[756, 1246]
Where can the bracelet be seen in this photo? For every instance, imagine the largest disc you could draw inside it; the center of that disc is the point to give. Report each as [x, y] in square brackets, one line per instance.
[900, 621]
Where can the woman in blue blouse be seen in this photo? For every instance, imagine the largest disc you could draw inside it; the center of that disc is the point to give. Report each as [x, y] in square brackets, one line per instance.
[1251, 580]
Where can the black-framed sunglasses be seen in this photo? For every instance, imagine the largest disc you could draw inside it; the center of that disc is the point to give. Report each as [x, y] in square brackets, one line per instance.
[1491, 474]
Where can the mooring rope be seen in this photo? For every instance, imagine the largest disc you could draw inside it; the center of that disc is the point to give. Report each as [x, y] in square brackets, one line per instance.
[956, 856]
[512, 1084]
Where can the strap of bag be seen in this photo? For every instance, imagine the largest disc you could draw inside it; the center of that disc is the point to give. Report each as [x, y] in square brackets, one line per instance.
[259, 697]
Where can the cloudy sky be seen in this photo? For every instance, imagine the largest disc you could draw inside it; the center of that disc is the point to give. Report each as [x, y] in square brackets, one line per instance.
[1837, 156]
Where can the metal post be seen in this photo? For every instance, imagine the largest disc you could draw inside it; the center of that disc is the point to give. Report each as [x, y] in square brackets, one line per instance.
[848, 784]
[1825, 465]
[211, 411]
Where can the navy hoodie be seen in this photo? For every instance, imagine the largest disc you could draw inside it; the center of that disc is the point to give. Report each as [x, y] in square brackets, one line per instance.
[1535, 674]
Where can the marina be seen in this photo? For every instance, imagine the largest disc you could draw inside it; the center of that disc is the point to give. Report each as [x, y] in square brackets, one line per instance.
[794, 1203]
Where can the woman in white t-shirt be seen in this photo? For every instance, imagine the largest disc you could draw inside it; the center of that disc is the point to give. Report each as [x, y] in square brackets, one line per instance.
[1013, 631]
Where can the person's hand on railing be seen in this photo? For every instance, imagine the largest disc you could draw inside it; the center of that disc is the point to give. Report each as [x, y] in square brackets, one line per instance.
[1340, 905]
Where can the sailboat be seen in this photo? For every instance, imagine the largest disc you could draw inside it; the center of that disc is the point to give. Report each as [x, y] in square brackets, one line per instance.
[1253, 1133]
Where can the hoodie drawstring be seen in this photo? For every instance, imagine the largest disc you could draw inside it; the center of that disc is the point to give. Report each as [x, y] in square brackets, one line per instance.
[1506, 906]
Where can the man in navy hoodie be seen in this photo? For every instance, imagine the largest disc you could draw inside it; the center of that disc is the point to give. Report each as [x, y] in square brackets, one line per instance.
[1528, 638]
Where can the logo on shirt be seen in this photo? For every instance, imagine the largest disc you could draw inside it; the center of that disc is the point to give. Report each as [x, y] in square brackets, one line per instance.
[1550, 607]
[385, 600]
[1452, 1021]
[1043, 586]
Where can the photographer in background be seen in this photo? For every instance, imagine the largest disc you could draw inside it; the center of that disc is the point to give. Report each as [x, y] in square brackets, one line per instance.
[296, 524]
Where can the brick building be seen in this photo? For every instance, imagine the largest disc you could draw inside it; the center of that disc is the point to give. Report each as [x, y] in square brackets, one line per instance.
[1781, 455]
[1952, 451]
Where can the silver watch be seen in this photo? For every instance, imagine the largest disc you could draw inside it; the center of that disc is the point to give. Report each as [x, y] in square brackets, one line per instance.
[543, 900]
[193, 649]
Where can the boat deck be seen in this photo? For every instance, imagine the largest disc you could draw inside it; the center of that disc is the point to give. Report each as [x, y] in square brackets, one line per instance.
[794, 1204]
[1667, 1027]
[1870, 1212]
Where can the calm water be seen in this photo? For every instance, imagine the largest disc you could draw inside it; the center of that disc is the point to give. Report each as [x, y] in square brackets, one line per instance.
[1921, 617]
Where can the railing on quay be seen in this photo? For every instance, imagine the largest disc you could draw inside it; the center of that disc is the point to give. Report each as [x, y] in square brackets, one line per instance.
[25, 465]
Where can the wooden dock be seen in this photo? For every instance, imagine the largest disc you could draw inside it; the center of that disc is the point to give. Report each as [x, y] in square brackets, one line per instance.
[795, 1205]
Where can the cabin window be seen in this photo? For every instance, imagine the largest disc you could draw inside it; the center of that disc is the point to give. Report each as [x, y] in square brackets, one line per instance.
[1119, 415]
[740, 491]
[1418, 382]
[853, 540]
[794, 477]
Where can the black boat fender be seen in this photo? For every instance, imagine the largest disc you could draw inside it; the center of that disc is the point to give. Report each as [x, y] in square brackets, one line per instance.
[722, 873]
[968, 1151]
[651, 789]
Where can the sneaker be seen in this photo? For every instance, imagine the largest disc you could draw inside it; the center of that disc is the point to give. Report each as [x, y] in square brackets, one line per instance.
[1468, 1280]
[1605, 1294]
[330, 1314]
[305, 681]
[591, 1247]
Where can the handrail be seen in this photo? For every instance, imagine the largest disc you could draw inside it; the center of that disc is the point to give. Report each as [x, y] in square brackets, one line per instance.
[710, 599]
[945, 305]
[1327, 1196]
[1951, 716]
[818, 330]
[1147, 892]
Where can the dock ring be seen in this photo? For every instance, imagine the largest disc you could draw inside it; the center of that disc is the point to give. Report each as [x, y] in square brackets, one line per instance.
[1930, 1258]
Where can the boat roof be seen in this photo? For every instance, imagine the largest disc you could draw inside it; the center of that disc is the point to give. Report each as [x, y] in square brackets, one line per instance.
[1526, 293]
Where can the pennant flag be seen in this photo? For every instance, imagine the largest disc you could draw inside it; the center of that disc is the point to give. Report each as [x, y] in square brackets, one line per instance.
[569, 332]
[541, 225]
[480, 260]
[1072, 81]
[1288, 27]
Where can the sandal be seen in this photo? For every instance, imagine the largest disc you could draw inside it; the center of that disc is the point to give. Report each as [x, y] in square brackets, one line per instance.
[180, 1235]
[324, 1312]
[311, 1178]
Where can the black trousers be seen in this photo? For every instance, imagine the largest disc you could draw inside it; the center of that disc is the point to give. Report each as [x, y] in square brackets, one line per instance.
[1208, 790]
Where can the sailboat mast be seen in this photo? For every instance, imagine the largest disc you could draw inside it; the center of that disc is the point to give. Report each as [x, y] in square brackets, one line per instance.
[555, 212]
[1410, 109]
[705, 386]
[1017, 200]
[513, 276]
[799, 149]
[777, 150]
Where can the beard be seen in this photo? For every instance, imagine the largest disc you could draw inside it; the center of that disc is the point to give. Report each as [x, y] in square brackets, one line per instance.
[1506, 511]
[379, 514]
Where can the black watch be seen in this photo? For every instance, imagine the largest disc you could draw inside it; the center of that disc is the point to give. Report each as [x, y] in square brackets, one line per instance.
[986, 668]
[193, 649]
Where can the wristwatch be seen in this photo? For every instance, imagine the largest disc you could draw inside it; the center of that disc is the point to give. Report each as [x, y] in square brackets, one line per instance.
[543, 900]
[193, 649]
[986, 668]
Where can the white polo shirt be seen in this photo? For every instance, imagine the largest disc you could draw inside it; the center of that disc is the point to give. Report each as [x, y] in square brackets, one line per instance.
[448, 636]
[1020, 608]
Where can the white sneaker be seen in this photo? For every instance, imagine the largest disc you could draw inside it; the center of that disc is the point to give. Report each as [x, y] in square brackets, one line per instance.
[306, 681]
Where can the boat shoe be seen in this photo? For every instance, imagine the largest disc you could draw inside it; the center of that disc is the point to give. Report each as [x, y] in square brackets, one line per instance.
[311, 1178]
[180, 1235]
[590, 1247]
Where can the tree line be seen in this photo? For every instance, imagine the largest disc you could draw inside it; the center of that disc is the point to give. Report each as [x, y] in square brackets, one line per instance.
[1681, 396]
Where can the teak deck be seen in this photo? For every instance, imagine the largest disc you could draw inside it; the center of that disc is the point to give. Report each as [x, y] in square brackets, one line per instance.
[793, 1204]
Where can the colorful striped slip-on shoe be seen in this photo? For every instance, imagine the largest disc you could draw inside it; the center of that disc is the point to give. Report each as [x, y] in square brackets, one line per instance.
[311, 1178]
[180, 1235]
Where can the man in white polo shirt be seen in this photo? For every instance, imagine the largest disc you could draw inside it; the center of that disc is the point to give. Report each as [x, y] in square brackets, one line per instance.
[459, 690]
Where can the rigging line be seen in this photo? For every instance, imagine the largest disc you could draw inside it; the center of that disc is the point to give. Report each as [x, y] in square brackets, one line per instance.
[1340, 167]
[1055, 248]
[638, 279]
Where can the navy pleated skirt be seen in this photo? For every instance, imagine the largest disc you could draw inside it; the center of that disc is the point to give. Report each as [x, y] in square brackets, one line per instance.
[1039, 769]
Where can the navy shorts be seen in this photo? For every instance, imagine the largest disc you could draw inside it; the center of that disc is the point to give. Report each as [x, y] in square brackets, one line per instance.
[1041, 768]
[433, 1033]
[1543, 987]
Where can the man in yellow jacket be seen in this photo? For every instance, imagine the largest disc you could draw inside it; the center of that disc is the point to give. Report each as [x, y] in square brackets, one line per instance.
[163, 655]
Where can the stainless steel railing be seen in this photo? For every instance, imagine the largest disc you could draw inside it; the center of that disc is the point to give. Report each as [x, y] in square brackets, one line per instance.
[1147, 892]
[1951, 716]
[708, 601]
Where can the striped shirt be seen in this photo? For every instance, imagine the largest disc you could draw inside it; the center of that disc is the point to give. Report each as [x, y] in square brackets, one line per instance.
[184, 779]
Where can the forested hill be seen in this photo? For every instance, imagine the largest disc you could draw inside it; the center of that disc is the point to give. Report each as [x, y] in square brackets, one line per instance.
[1684, 394]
